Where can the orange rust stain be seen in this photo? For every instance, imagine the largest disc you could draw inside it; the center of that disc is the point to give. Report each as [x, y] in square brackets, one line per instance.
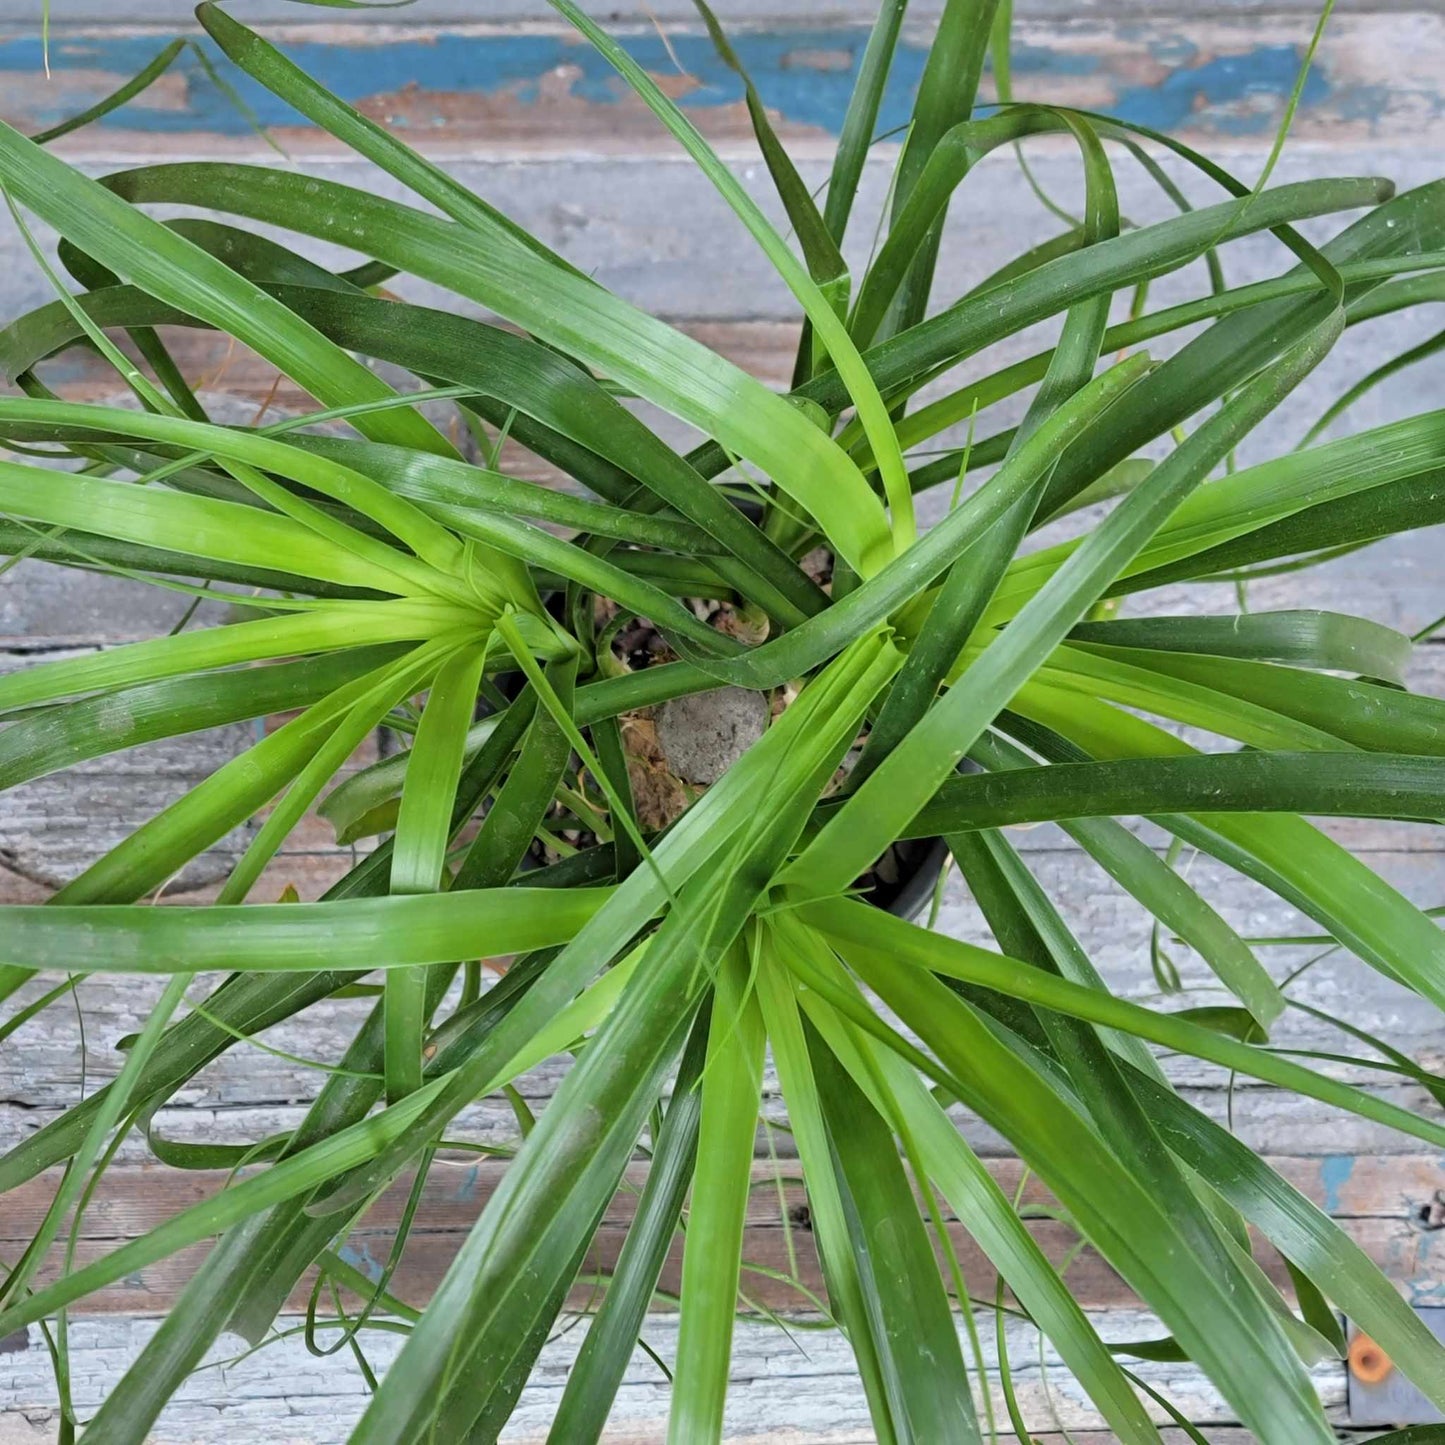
[1368, 1362]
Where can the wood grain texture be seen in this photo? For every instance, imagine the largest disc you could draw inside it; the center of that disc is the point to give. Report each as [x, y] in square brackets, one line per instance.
[797, 1387]
[785, 1391]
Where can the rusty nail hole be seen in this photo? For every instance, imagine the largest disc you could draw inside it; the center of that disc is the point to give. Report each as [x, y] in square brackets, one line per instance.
[1432, 1215]
[1368, 1362]
[800, 1216]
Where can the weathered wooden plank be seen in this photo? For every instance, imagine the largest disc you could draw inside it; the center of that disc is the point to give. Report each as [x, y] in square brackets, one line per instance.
[452, 84]
[1265, 1119]
[1386, 1206]
[650, 227]
[786, 1391]
[243, 1097]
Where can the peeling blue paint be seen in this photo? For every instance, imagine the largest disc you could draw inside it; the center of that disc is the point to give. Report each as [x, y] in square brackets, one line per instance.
[806, 74]
[1229, 88]
[359, 1257]
[1368, 102]
[1038, 62]
[1335, 1172]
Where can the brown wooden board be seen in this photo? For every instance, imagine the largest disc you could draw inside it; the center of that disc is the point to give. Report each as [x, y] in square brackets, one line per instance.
[1386, 1205]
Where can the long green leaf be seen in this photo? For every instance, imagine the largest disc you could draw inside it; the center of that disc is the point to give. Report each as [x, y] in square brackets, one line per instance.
[1231, 1333]
[419, 848]
[855, 136]
[832, 334]
[368, 933]
[964, 595]
[1306, 1235]
[1353, 785]
[48, 741]
[923, 1367]
[731, 1089]
[1327, 640]
[612, 1335]
[877, 931]
[554, 405]
[1159, 888]
[264, 63]
[946, 94]
[337, 626]
[1285, 853]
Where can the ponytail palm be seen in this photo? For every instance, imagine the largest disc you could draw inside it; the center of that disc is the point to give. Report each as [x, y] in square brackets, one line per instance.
[949, 685]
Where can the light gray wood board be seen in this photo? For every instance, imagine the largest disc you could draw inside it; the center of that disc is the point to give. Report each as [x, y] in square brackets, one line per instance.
[651, 227]
[787, 1392]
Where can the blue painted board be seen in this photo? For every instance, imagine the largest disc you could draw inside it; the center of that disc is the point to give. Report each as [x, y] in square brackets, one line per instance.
[1158, 78]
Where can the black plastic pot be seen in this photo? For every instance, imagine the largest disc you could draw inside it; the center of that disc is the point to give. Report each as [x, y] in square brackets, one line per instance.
[920, 862]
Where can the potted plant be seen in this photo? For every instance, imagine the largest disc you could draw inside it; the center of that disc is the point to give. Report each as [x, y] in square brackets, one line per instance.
[672, 948]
